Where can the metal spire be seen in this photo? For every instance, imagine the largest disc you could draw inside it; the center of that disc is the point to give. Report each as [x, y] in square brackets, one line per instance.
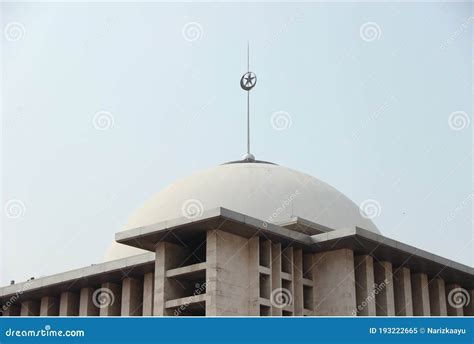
[247, 82]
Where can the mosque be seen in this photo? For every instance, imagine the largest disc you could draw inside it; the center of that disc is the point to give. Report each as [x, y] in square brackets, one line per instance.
[251, 238]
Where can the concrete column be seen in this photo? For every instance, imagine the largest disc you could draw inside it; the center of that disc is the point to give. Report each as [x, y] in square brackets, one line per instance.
[334, 283]
[168, 256]
[437, 297]
[453, 291]
[148, 287]
[288, 286]
[276, 277]
[420, 294]
[12, 310]
[298, 281]
[384, 295]
[254, 276]
[30, 308]
[49, 306]
[132, 296]
[402, 292]
[469, 308]
[227, 292]
[69, 304]
[110, 299]
[86, 303]
[364, 284]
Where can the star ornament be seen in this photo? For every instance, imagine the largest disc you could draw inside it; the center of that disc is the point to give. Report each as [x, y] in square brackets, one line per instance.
[248, 81]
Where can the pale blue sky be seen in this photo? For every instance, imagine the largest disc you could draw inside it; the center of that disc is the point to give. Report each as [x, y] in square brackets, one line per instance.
[369, 117]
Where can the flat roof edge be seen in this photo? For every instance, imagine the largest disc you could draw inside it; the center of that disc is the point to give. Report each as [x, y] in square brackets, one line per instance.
[72, 275]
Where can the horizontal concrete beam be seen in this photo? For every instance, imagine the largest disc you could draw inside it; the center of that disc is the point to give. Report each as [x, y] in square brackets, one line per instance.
[188, 300]
[186, 270]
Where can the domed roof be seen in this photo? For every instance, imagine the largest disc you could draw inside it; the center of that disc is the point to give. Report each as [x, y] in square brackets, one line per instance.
[268, 192]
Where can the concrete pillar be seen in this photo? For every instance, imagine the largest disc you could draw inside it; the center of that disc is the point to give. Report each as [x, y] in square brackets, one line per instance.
[287, 283]
[68, 304]
[49, 306]
[437, 297]
[110, 299]
[298, 281]
[454, 296]
[30, 308]
[469, 307]
[132, 297]
[334, 283]
[364, 284]
[148, 289]
[87, 306]
[276, 278]
[12, 310]
[384, 295]
[420, 294]
[168, 256]
[402, 292]
[228, 282]
[254, 276]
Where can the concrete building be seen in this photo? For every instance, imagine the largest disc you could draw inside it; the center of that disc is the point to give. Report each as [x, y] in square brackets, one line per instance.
[251, 238]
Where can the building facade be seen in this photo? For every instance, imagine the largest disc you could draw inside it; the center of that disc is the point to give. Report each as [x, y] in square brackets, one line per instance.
[251, 238]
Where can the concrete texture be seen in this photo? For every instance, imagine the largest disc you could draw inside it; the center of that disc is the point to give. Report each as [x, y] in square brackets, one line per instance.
[12, 310]
[30, 308]
[437, 293]
[364, 283]
[402, 292]
[168, 256]
[132, 297]
[148, 291]
[86, 304]
[469, 308]
[49, 306]
[298, 301]
[254, 276]
[228, 274]
[112, 305]
[451, 306]
[420, 294]
[69, 304]
[334, 283]
[384, 294]
[276, 276]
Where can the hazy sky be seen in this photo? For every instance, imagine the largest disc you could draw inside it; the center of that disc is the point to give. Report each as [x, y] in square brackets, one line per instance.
[105, 104]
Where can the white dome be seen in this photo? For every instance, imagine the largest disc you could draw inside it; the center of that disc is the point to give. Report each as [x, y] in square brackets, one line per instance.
[265, 191]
